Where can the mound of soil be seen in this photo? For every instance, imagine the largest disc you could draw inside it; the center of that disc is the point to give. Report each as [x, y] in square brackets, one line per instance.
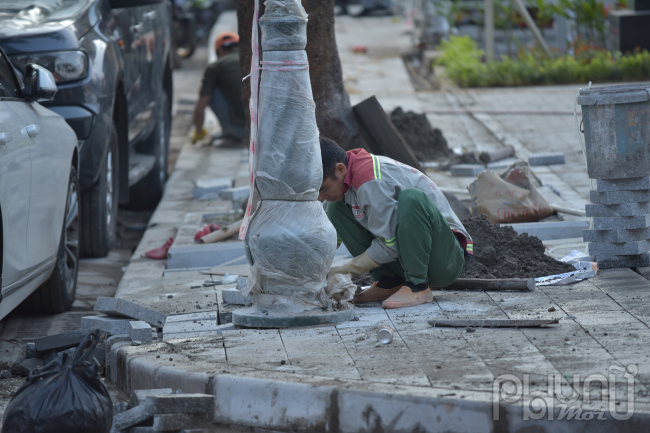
[499, 252]
[427, 143]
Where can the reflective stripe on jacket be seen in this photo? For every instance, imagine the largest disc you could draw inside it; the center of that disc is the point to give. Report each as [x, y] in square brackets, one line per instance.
[372, 186]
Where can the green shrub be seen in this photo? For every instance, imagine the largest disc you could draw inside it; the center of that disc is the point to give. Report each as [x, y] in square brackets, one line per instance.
[464, 63]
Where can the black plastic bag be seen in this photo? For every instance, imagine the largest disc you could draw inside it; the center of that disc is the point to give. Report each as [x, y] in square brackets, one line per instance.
[62, 397]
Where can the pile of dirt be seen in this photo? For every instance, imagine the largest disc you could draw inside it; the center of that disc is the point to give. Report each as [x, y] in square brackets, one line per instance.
[499, 252]
[427, 143]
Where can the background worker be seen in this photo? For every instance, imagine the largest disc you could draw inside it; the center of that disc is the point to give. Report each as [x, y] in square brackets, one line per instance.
[396, 224]
[221, 90]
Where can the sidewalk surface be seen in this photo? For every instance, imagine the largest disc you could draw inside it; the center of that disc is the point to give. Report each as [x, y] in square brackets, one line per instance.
[337, 378]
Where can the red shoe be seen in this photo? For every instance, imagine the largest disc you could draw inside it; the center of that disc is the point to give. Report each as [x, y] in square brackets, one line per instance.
[206, 230]
[159, 253]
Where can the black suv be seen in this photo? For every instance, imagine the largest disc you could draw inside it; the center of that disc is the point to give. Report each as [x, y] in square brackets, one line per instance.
[112, 65]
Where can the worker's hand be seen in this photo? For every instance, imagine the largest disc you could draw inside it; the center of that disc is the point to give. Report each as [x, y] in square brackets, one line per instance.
[199, 135]
[355, 267]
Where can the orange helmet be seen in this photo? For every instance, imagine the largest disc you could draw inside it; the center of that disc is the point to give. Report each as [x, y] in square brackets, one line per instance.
[225, 39]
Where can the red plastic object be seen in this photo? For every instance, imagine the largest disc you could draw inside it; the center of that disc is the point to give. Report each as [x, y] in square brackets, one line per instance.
[206, 230]
[362, 49]
[159, 253]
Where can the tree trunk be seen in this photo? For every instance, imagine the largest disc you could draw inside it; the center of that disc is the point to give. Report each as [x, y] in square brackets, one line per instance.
[334, 114]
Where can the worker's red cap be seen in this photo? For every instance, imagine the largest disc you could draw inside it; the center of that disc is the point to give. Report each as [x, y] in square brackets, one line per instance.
[225, 39]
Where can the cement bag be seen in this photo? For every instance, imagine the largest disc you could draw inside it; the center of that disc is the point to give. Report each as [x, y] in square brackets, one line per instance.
[62, 397]
[508, 198]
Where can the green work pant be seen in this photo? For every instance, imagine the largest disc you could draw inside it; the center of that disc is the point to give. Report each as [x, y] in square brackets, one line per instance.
[427, 249]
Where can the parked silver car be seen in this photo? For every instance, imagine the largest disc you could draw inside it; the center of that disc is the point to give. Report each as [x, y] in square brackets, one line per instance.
[39, 196]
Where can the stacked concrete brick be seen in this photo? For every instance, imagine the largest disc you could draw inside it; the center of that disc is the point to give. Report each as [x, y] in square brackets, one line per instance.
[621, 212]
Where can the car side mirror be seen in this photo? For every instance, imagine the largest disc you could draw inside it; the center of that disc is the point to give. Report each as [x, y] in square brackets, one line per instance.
[39, 83]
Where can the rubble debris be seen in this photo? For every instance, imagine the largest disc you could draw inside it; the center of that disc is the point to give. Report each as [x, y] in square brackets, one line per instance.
[26, 366]
[428, 144]
[140, 331]
[492, 323]
[499, 252]
[123, 308]
[546, 158]
[5, 374]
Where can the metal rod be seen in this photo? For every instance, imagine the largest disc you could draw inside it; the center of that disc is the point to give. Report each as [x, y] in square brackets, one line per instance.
[489, 29]
[531, 25]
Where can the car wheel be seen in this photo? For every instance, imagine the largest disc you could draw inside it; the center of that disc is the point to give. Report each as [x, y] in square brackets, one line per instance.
[99, 205]
[57, 294]
[146, 194]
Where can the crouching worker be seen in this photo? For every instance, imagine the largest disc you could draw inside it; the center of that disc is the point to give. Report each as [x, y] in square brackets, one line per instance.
[396, 224]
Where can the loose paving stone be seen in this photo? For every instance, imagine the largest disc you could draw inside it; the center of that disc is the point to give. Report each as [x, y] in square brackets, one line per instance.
[616, 210]
[180, 403]
[611, 262]
[59, 341]
[466, 169]
[635, 222]
[123, 308]
[236, 194]
[618, 197]
[171, 422]
[209, 189]
[110, 325]
[235, 297]
[600, 249]
[140, 331]
[617, 235]
[630, 184]
[131, 417]
[546, 158]
[138, 396]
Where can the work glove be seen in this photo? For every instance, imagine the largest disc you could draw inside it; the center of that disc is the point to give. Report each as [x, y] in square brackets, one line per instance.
[199, 135]
[355, 267]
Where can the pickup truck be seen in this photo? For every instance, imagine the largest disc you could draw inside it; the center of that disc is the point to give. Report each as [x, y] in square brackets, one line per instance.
[111, 61]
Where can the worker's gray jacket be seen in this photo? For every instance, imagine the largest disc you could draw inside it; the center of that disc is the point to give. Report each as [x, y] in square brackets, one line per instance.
[372, 185]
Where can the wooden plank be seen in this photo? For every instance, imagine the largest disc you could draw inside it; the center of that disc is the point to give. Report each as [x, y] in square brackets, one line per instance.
[491, 323]
[381, 135]
[306, 347]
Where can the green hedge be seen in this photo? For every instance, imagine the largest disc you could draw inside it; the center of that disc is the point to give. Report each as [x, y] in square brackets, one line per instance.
[463, 62]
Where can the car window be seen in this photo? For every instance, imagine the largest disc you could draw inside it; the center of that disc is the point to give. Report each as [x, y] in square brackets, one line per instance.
[9, 87]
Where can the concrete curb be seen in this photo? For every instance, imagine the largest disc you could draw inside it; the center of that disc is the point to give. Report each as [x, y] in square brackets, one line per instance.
[284, 401]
